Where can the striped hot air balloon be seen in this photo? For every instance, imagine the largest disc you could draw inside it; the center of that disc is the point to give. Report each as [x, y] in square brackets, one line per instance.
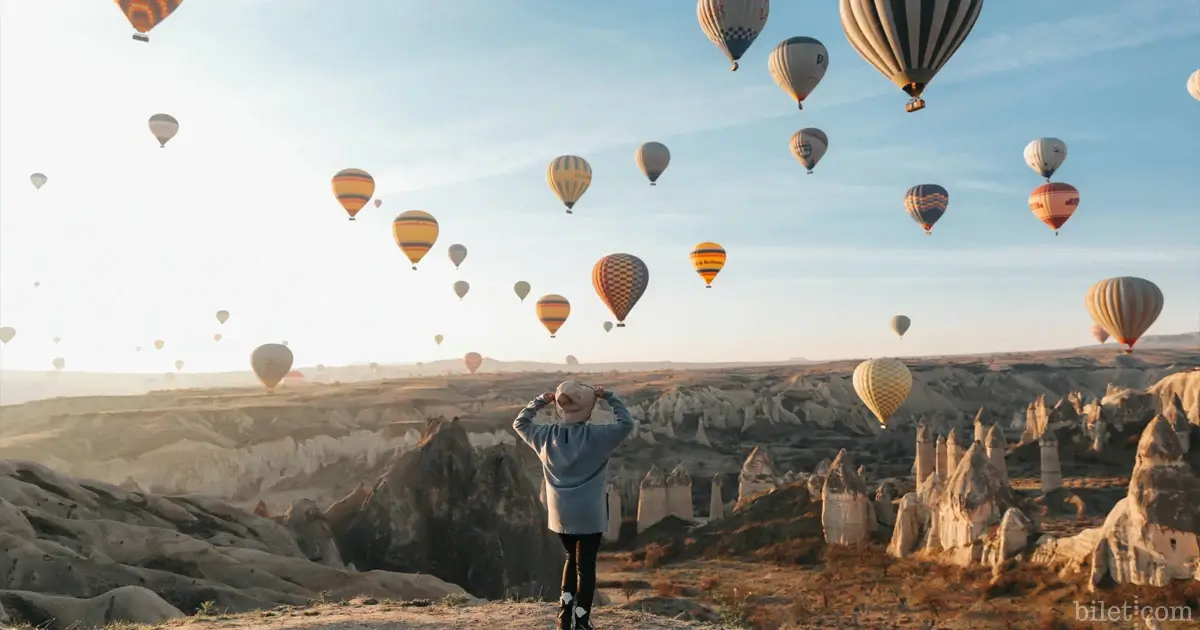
[883, 385]
[809, 146]
[353, 188]
[472, 360]
[798, 64]
[1126, 307]
[708, 258]
[163, 127]
[926, 204]
[1054, 203]
[552, 311]
[620, 280]
[415, 232]
[733, 25]
[569, 177]
[144, 15]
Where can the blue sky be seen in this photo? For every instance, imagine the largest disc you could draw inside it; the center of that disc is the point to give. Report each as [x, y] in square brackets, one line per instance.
[457, 107]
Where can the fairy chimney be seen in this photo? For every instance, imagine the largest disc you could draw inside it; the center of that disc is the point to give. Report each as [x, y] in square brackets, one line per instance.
[1175, 414]
[845, 507]
[679, 494]
[652, 499]
[612, 533]
[758, 475]
[941, 462]
[925, 452]
[816, 480]
[954, 452]
[716, 502]
[982, 422]
[996, 445]
[1051, 469]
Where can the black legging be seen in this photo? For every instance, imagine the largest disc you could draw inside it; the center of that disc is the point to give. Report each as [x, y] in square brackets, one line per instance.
[579, 572]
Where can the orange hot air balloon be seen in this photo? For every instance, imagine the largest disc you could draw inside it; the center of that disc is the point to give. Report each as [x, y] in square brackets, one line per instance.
[708, 259]
[472, 360]
[144, 15]
[353, 188]
[620, 280]
[1054, 203]
[553, 310]
[217, 337]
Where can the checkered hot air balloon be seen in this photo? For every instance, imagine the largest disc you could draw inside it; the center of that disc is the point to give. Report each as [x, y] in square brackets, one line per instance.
[733, 25]
[620, 280]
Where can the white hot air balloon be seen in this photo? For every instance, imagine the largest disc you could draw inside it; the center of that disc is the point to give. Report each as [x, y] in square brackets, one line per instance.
[38, 180]
[1193, 85]
[798, 64]
[809, 146]
[1045, 155]
[164, 127]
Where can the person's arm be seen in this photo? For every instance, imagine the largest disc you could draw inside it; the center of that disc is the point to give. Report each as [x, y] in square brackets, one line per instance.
[611, 435]
[533, 434]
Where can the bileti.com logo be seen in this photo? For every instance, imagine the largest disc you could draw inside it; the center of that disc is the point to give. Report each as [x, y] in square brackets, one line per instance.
[1100, 611]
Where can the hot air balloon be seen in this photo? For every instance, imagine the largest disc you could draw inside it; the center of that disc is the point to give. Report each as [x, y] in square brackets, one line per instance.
[1054, 203]
[56, 340]
[571, 360]
[164, 127]
[1193, 85]
[217, 337]
[733, 24]
[374, 366]
[1126, 307]
[59, 363]
[1045, 155]
[222, 316]
[907, 41]
[460, 289]
[552, 311]
[144, 15]
[137, 348]
[472, 360]
[926, 204]
[608, 326]
[7, 333]
[900, 324]
[179, 365]
[569, 177]
[522, 288]
[415, 232]
[653, 158]
[882, 384]
[38, 180]
[809, 146]
[353, 188]
[798, 64]
[378, 202]
[438, 339]
[271, 362]
[458, 253]
[37, 284]
[620, 280]
[708, 258]
[1099, 333]
[158, 344]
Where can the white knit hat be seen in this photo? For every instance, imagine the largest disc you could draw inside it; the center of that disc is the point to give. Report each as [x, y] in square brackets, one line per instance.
[574, 401]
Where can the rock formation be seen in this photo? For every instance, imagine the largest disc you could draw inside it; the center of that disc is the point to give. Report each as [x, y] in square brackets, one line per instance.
[652, 499]
[1174, 413]
[954, 451]
[940, 461]
[982, 424]
[679, 494]
[758, 475]
[716, 501]
[612, 532]
[846, 512]
[473, 520]
[1050, 466]
[816, 480]
[996, 451]
[926, 456]
[312, 533]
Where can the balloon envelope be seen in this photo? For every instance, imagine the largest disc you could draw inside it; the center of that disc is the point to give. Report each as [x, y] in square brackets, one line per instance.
[38, 180]
[809, 146]
[620, 280]
[271, 362]
[7, 333]
[1045, 155]
[653, 158]
[164, 127]
[222, 316]
[900, 324]
[415, 232]
[798, 64]
[458, 253]
[158, 344]
[553, 310]
[522, 288]
[926, 204]
[1126, 307]
[608, 326]
[472, 360]
[571, 360]
[179, 365]
[144, 15]
[569, 177]
[1054, 203]
[460, 288]
[59, 363]
[733, 25]
[1193, 85]
[217, 337]
[438, 339]
[353, 188]
[1099, 333]
[882, 384]
[708, 259]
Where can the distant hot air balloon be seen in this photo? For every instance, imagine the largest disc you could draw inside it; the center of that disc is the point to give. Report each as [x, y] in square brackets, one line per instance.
[571, 360]
[179, 365]
[460, 288]
[415, 232]
[1045, 155]
[733, 25]
[164, 127]
[438, 339]
[522, 288]
[1099, 333]
[271, 362]
[552, 311]
[1126, 307]
[569, 177]
[608, 326]
[900, 324]
[882, 384]
[217, 337]
[653, 158]
[907, 41]
[378, 202]
[222, 316]
[158, 344]
[59, 363]
[1193, 85]
[620, 280]
[809, 146]
[458, 253]
[708, 259]
[38, 180]
[926, 203]
[472, 360]
[137, 348]
[7, 333]
[798, 64]
[374, 366]
[144, 15]
[1054, 203]
[37, 284]
[56, 340]
[353, 188]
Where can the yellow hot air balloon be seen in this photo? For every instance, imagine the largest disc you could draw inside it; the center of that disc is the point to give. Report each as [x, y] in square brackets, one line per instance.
[1126, 307]
[353, 188]
[882, 384]
[271, 362]
[472, 360]
[438, 339]
[708, 258]
[158, 344]
[217, 337]
[522, 289]
[222, 316]
[553, 310]
[415, 232]
[569, 177]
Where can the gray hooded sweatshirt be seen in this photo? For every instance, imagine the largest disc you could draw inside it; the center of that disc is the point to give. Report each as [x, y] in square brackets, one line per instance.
[575, 464]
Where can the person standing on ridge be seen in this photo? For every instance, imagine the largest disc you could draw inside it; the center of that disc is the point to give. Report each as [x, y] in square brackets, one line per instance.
[574, 455]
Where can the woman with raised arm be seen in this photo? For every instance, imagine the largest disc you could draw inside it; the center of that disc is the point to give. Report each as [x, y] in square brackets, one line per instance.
[574, 455]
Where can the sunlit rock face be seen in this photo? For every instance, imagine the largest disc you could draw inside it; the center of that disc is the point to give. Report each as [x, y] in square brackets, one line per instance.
[679, 494]
[758, 475]
[847, 516]
[652, 499]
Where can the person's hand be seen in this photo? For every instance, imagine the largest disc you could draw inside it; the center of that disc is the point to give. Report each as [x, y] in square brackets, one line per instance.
[599, 390]
[548, 397]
